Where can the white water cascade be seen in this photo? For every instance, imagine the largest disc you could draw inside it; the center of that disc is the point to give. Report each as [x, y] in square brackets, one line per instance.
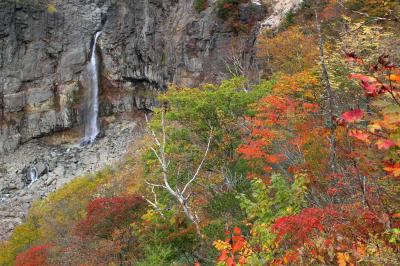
[146, 20]
[92, 111]
[33, 174]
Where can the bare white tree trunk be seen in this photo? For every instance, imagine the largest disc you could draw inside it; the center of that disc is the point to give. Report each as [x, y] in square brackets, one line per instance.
[181, 196]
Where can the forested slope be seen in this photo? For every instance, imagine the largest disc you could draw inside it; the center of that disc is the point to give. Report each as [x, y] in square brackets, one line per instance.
[300, 167]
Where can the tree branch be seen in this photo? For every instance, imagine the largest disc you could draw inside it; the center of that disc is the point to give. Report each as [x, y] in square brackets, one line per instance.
[201, 163]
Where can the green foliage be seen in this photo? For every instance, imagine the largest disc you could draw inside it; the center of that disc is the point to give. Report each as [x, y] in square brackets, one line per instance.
[288, 20]
[220, 108]
[156, 256]
[191, 114]
[225, 205]
[266, 203]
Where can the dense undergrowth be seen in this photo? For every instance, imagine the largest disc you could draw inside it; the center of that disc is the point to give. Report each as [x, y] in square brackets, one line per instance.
[301, 168]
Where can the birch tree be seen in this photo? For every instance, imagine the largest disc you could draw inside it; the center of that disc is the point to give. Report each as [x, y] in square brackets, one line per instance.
[180, 194]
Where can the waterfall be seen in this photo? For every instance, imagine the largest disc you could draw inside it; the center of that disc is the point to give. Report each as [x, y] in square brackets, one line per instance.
[33, 174]
[146, 20]
[92, 111]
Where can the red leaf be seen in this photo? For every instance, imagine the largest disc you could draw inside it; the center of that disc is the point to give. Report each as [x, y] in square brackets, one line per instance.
[353, 116]
[393, 169]
[237, 231]
[371, 85]
[385, 144]
[223, 256]
[338, 120]
[242, 260]
[238, 244]
[358, 134]
[332, 191]
[230, 262]
[363, 78]
[372, 88]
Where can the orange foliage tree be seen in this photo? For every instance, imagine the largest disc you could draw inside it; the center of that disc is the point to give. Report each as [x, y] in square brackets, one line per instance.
[290, 51]
[353, 208]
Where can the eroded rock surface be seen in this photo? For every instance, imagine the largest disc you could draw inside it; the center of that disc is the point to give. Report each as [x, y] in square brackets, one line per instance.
[280, 9]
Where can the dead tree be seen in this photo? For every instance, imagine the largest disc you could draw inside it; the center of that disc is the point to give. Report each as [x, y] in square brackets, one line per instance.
[181, 195]
[329, 93]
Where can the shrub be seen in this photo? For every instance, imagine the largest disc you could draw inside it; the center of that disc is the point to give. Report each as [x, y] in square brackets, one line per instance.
[24, 235]
[36, 256]
[106, 214]
[156, 255]
[200, 5]
[226, 7]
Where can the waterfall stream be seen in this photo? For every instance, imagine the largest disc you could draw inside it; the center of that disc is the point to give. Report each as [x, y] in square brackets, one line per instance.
[33, 174]
[92, 111]
[146, 20]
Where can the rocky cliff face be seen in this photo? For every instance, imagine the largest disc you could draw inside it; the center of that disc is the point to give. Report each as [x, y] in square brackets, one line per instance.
[145, 44]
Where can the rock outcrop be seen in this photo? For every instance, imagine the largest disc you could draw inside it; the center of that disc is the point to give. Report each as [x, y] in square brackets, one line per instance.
[145, 45]
[280, 9]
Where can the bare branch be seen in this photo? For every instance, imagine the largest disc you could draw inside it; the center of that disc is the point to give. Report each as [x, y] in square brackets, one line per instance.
[201, 163]
[152, 132]
[164, 163]
[153, 185]
[163, 133]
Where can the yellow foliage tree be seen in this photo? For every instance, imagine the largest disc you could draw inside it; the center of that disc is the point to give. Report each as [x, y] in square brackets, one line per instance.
[290, 51]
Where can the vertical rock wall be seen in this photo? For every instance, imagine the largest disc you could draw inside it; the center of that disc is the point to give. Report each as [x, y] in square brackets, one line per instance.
[145, 45]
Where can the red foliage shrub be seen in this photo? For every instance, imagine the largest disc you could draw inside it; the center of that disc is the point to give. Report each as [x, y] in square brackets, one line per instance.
[346, 223]
[303, 225]
[36, 256]
[106, 214]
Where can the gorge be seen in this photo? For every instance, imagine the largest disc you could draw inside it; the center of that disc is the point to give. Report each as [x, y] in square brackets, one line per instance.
[199, 132]
[119, 54]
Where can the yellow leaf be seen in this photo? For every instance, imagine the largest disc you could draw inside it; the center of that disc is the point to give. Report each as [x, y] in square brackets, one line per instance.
[342, 258]
[394, 77]
[374, 127]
